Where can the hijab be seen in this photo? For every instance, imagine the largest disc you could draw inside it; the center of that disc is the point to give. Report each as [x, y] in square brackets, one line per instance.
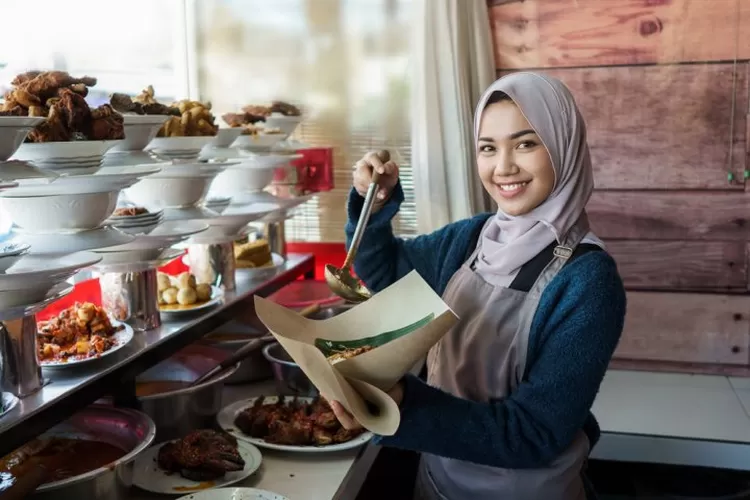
[508, 242]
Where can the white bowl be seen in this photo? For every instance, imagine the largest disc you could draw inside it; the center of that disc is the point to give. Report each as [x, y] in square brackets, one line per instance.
[162, 192]
[168, 233]
[60, 213]
[217, 203]
[110, 258]
[140, 130]
[275, 160]
[225, 137]
[45, 245]
[241, 179]
[258, 141]
[287, 124]
[64, 151]
[34, 270]
[13, 131]
[175, 145]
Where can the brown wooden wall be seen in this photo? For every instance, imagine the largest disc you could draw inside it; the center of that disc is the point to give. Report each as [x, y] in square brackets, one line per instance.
[664, 87]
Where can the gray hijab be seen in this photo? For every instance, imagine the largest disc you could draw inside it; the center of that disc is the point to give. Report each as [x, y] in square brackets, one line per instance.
[508, 242]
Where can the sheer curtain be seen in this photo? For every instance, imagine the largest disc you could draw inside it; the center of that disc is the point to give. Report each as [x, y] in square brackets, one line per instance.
[453, 63]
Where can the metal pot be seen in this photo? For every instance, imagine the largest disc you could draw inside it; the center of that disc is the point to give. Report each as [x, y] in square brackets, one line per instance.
[180, 411]
[255, 367]
[127, 429]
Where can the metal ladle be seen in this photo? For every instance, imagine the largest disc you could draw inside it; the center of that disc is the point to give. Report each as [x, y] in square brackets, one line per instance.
[341, 281]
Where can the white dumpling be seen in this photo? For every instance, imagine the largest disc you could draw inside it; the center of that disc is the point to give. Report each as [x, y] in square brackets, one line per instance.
[170, 295]
[203, 291]
[185, 280]
[163, 282]
[187, 296]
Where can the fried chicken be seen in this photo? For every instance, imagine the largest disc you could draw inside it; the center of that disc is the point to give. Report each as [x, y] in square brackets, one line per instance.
[46, 84]
[106, 124]
[202, 455]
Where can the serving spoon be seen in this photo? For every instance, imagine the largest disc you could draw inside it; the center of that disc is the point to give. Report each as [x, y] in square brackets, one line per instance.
[340, 280]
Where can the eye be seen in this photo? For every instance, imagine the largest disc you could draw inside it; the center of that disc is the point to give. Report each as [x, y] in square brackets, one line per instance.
[486, 148]
[526, 144]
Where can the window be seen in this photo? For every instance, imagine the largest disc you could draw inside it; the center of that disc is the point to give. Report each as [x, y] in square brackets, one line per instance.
[125, 45]
[345, 61]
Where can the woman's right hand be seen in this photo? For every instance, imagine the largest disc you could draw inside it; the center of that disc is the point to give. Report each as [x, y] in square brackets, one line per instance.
[362, 176]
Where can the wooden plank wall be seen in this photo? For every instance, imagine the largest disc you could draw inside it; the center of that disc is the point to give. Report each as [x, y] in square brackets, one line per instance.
[664, 87]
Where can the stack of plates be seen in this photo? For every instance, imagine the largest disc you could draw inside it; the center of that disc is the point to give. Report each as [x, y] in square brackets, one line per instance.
[73, 157]
[179, 148]
[136, 224]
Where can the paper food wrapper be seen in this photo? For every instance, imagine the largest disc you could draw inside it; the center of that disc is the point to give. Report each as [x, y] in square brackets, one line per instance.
[401, 324]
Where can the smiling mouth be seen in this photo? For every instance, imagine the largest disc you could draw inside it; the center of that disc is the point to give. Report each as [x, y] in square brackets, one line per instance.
[512, 187]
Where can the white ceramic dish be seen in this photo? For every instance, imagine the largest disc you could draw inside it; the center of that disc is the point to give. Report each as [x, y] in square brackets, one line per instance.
[13, 131]
[217, 204]
[122, 338]
[234, 494]
[60, 213]
[179, 144]
[232, 220]
[267, 160]
[64, 151]
[60, 244]
[105, 179]
[32, 270]
[256, 273]
[177, 169]
[148, 476]
[258, 141]
[147, 216]
[225, 137]
[155, 192]
[287, 124]
[46, 291]
[20, 170]
[227, 415]
[242, 178]
[217, 295]
[117, 258]
[140, 130]
[197, 213]
[12, 250]
[164, 258]
[164, 235]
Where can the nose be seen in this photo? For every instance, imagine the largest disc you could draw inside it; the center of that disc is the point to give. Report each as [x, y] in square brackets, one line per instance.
[505, 166]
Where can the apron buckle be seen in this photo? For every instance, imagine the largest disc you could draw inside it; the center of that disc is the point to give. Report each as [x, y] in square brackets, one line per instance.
[563, 252]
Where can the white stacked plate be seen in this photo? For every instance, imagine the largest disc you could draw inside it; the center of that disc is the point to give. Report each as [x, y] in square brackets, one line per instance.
[30, 278]
[260, 141]
[287, 124]
[179, 148]
[13, 131]
[55, 245]
[217, 203]
[137, 224]
[253, 173]
[71, 157]
[225, 137]
[228, 225]
[181, 184]
[140, 130]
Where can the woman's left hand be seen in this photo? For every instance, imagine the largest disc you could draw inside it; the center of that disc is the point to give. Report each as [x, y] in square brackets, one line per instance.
[348, 421]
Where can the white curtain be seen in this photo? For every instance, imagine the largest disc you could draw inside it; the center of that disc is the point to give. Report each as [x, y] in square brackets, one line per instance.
[453, 64]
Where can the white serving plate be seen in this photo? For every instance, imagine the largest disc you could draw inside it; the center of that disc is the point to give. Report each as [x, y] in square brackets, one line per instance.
[64, 213]
[44, 292]
[64, 150]
[32, 270]
[60, 244]
[122, 337]
[287, 124]
[267, 160]
[242, 178]
[179, 144]
[164, 235]
[148, 476]
[13, 131]
[258, 141]
[217, 295]
[262, 272]
[234, 494]
[227, 415]
[225, 137]
[140, 130]
[128, 257]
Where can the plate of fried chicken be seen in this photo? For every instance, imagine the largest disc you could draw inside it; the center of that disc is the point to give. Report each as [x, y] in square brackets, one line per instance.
[202, 459]
[290, 423]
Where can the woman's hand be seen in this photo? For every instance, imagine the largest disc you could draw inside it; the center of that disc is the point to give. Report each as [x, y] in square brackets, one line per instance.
[348, 421]
[362, 176]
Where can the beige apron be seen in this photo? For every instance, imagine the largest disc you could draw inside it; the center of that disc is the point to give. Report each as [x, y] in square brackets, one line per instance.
[483, 358]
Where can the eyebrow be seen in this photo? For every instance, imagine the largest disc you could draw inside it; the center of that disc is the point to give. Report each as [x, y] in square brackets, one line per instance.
[514, 135]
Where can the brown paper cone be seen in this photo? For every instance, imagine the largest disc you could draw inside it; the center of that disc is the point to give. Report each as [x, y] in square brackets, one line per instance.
[368, 376]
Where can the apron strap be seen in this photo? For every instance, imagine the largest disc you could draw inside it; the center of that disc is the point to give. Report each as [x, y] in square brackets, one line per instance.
[530, 271]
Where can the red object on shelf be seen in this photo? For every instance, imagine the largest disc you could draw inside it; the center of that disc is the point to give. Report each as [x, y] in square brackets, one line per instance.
[85, 291]
[325, 253]
[313, 173]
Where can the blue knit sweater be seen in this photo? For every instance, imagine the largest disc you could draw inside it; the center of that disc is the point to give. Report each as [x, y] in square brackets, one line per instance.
[573, 335]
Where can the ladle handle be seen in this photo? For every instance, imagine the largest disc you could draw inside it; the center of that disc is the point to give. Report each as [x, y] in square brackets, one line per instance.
[364, 216]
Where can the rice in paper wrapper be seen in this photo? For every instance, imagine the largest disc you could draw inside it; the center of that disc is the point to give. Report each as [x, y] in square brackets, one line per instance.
[389, 334]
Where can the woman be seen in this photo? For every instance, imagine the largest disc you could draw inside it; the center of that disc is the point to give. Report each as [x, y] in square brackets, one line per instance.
[506, 410]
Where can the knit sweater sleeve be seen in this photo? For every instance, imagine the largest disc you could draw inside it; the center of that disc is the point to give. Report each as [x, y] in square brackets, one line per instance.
[573, 336]
[383, 258]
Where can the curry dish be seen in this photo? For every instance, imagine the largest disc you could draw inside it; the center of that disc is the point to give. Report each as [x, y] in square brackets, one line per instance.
[64, 457]
[81, 331]
[295, 423]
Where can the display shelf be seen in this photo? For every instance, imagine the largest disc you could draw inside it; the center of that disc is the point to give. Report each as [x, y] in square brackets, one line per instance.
[75, 387]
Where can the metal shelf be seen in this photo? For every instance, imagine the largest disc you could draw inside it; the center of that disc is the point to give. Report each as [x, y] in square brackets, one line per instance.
[71, 389]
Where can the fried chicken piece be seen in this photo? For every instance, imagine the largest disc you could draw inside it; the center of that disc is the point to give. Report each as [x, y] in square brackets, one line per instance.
[255, 110]
[242, 119]
[14, 111]
[285, 108]
[124, 104]
[22, 97]
[25, 77]
[46, 84]
[53, 129]
[106, 124]
[202, 455]
[77, 112]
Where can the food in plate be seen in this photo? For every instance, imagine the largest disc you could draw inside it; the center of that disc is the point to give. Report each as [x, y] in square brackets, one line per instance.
[143, 104]
[80, 331]
[253, 254]
[195, 119]
[63, 457]
[202, 455]
[348, 353]
[254, 114]
[296, 423]
[181, 291]
[60, 98]
[129, 211]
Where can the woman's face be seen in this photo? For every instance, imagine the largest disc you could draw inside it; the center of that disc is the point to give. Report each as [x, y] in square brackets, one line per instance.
[514, 165]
